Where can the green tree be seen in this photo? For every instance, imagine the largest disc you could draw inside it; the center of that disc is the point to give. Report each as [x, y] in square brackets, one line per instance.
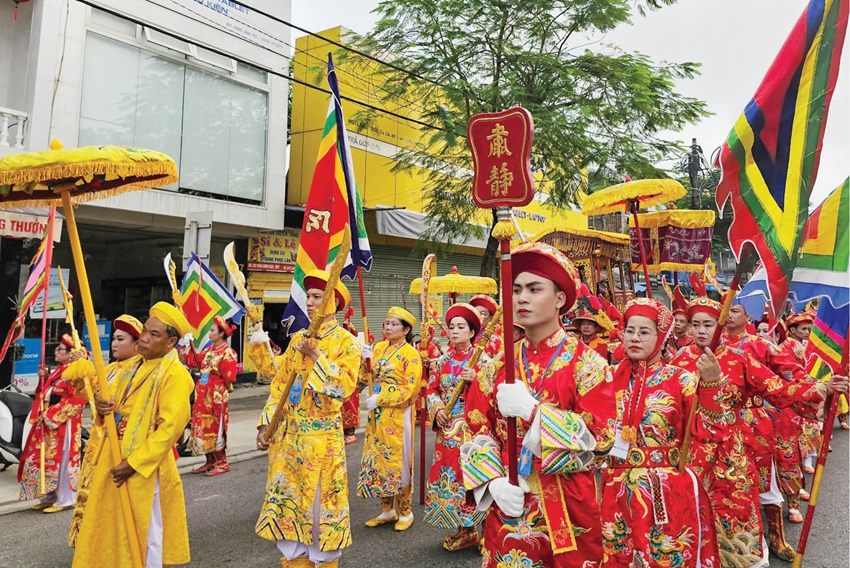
[594, 105]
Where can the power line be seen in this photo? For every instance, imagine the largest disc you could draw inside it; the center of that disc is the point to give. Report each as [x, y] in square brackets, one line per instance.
[217, 51]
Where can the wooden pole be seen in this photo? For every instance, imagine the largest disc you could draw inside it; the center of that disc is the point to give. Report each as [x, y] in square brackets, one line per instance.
[48, 260]
[97, 359]
[634, 207]
[830, 409]
[507, 281]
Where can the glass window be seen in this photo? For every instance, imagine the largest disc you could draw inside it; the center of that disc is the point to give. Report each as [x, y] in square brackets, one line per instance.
[213, 127]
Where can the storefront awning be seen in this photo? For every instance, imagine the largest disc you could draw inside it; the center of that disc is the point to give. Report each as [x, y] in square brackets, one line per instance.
[411, 224]
[28, 223]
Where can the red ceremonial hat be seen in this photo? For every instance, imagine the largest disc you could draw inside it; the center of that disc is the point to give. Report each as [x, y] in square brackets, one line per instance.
[680, 303]
[547, 262]
[698, 285]
[226, 328]
[484, 301]
[467, 312]
[318, 279]
[652, 309]
[67, 340]
[128, 324]
[800, 318]
[705, 306]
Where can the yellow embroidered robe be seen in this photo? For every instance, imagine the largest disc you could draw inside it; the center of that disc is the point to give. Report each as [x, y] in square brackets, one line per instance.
[307, 452]
[153, 399]
[96, 436]
[398, 370]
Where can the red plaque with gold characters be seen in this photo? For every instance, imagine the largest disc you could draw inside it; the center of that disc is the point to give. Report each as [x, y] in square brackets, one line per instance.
[501, 153]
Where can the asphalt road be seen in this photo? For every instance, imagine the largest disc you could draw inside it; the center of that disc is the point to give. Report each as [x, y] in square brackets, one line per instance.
[222, 511]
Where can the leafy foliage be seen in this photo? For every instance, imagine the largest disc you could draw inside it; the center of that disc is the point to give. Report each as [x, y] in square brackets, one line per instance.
[595, 106]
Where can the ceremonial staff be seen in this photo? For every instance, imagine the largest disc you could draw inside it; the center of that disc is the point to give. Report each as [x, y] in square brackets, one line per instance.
[171, 272]
[48, 253]
[429, 267]
[830, 407]
[238, 280]
[480, 345]
[501, 153]
[313, 330]
[78, 371]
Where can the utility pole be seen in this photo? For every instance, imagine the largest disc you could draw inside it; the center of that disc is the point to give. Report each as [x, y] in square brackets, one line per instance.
[693, 170]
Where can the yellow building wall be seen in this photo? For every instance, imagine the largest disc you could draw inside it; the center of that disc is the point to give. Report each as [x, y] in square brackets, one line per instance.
[373, 147]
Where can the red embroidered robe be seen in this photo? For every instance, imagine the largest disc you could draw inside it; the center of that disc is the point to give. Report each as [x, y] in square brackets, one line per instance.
[219, 367]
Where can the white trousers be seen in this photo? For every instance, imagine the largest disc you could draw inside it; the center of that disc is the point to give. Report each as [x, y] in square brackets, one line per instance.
[153, 555]
[773, 496]
[65, 496]
[292, 549]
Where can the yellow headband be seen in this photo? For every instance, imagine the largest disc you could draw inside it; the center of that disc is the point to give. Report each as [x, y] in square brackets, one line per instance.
[403, 315]
[171, 316]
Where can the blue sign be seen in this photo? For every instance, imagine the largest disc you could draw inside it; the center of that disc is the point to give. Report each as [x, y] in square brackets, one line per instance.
[104, 333]
[26, 368]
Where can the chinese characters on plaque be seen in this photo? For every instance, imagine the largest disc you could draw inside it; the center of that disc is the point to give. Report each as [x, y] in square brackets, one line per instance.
[501, 153]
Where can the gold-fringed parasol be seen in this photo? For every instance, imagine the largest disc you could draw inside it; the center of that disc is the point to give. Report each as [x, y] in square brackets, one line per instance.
[74, 176]
[647, 192]
[632, 196]
[455, 283]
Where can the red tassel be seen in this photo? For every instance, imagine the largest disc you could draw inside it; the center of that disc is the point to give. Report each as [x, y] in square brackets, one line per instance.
[443, 333]
[15, 17]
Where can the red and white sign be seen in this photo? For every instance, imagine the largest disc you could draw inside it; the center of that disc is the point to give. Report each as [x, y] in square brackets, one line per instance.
[22, 226]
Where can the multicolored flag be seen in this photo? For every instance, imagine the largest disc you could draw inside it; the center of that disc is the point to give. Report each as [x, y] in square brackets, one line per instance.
[35, 285]
[822, 267]
[770, 159]
[333, 202]
[204, 297]
[828, 338]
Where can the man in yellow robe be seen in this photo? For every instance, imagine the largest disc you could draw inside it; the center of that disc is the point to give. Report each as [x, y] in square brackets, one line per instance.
[151, 407]
[306, 505]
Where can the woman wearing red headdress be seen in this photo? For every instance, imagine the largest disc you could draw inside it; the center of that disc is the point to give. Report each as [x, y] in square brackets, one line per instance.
[218, 364]
[445, 504]
[60, 427]
[653, 514]
[487, 307]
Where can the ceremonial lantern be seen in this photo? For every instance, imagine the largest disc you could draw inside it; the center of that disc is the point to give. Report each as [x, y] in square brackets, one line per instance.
[500, 143]
[73, 176]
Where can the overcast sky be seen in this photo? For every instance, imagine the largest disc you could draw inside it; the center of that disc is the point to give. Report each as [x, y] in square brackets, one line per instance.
[735, 40]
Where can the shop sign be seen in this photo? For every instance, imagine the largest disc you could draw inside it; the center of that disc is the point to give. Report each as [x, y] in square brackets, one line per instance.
[21, 226]
[274, 251]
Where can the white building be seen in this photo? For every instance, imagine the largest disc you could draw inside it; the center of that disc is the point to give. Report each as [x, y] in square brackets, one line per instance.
[185, 77]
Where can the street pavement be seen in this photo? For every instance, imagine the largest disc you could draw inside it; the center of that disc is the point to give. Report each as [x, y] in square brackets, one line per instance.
[222, 511]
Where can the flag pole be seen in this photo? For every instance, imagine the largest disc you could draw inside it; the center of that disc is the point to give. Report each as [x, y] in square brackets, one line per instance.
[830, 408]
[371, 415]
[48, 259]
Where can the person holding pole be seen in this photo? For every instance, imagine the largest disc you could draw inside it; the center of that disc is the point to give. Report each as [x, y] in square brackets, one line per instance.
[149, 401]
[445, 504]
[386, 466]
[125, 338]
[487, 307]
[57, 419]
[653, 514]
[305, 509]
[551, 516]
[719, 451]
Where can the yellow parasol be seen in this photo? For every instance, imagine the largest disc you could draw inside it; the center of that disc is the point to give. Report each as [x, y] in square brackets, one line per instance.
[455, 283]
[631, 196]
[74, 176]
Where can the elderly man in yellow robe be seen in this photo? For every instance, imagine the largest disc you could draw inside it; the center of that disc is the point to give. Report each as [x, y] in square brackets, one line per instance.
[306, 506]
[386, 466]
[150, 401]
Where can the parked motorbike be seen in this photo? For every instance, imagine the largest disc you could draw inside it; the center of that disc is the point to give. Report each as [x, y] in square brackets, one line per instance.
[15, 407]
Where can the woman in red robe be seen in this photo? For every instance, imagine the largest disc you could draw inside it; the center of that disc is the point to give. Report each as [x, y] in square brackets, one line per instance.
[60, 427]
[219, 366]
[445, 503]
[653, 514]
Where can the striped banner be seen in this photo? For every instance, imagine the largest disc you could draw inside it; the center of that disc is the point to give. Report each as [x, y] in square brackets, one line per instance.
[333, 203]
[204, 297]
[829, 334]
[770, 159]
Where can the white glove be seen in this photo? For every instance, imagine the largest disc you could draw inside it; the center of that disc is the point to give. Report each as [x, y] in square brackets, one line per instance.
[258, 337]
[366, 352]
[372, 403]
[510, 498]
[515, 400]
[186, 340]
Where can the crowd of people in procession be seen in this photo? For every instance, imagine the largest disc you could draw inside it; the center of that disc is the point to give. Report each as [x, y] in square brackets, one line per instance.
[586, 408]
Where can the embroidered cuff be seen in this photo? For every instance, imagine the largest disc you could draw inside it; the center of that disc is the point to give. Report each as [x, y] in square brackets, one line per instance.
[322, 379]
[481, 462]
[566, 443]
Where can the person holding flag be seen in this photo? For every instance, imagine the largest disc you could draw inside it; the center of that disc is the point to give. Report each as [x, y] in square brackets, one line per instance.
[552, 517]
[57, 419]
[218, 365]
